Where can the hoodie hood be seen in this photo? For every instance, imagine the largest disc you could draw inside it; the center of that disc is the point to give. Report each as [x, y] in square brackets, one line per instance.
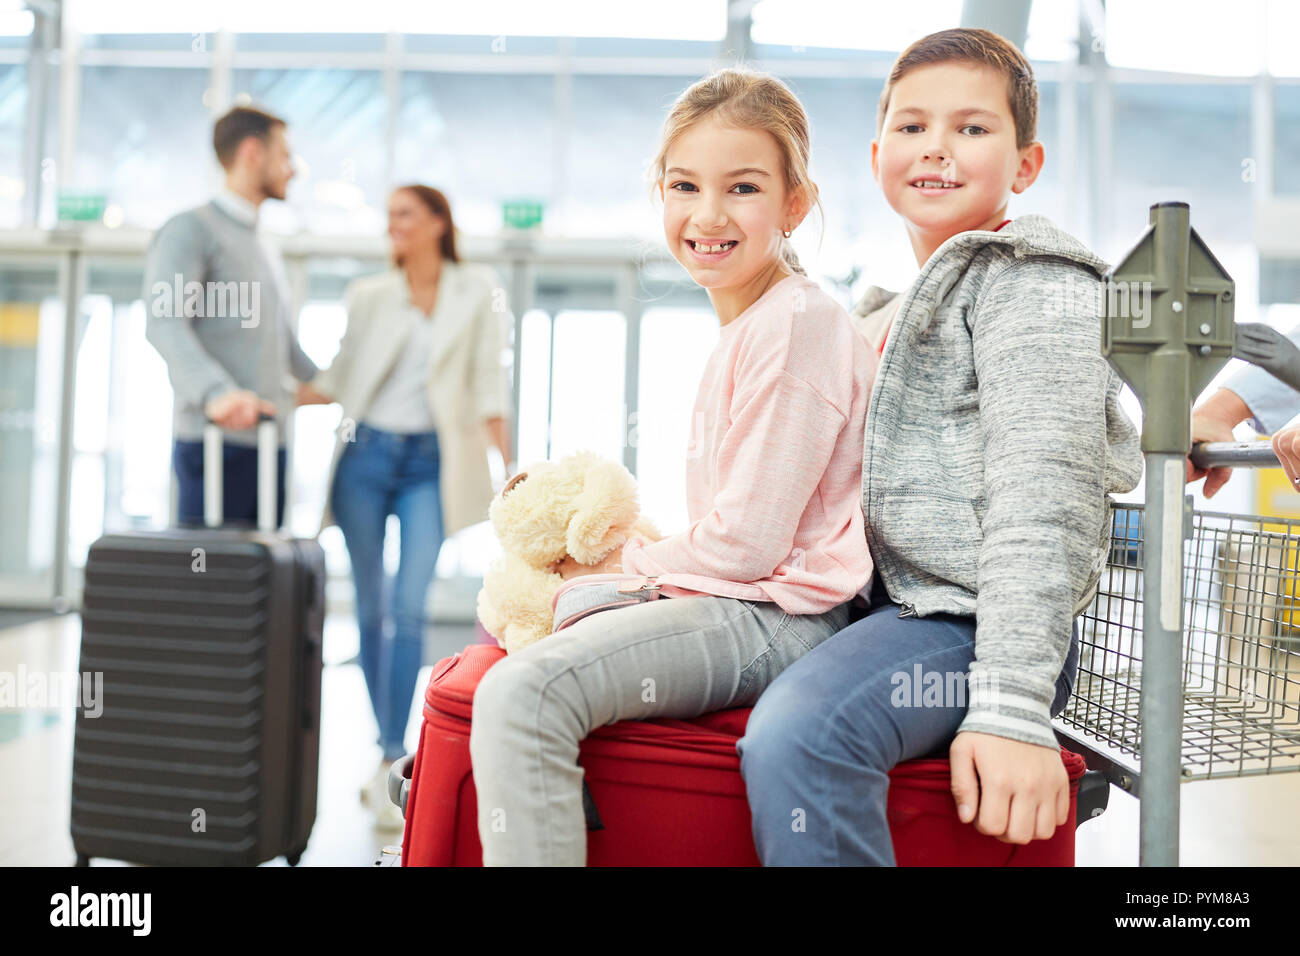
[1025, 236]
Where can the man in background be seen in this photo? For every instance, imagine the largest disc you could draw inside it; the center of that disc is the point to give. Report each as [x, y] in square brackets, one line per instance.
[219, 314]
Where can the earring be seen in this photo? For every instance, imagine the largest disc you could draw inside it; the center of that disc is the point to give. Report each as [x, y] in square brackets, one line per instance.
[786, 233]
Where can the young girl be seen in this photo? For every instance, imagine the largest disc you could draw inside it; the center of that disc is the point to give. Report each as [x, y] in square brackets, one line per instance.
[776, 537]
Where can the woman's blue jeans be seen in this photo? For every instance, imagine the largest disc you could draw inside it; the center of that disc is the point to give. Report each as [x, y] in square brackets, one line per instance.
[823, 737]
[383, 473]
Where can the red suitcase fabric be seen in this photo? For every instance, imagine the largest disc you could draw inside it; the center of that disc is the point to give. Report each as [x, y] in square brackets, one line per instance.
[669, 793]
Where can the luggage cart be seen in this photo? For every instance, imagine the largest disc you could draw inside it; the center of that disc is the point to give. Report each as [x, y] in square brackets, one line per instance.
[1190, 653]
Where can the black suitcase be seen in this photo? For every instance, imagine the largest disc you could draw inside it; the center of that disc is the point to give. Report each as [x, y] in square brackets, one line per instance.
[209, 642]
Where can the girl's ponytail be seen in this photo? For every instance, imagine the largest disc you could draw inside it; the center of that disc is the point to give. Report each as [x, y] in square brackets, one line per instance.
[790, 259]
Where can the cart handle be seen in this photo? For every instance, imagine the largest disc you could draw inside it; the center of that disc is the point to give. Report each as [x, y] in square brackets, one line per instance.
[1234, 454]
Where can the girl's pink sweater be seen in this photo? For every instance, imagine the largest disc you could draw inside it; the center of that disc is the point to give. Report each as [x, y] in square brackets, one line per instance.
[774, 467]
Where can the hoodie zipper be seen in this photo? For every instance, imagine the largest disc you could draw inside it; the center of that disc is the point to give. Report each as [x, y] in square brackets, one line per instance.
[866, 486]
[906, 299]
[907, 610]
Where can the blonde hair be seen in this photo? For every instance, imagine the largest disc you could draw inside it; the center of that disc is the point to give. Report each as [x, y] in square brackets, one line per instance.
[747, 99]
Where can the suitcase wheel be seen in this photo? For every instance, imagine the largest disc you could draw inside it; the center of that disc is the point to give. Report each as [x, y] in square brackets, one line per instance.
[389, 856]
[1094, 795]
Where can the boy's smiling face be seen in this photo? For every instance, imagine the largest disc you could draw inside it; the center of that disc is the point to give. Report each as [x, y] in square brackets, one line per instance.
[946, 157]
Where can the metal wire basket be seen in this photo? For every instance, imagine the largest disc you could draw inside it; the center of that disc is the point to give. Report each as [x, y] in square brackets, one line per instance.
[1240, 651]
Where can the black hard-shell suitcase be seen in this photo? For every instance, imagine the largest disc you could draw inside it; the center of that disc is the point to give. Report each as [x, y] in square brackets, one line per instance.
[209, 642]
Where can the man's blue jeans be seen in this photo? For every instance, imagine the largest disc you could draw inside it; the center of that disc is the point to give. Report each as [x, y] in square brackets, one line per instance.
[822, 739]
[383, 473]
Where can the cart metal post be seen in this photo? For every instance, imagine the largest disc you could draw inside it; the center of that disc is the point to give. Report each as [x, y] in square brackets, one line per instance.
[1167, 330]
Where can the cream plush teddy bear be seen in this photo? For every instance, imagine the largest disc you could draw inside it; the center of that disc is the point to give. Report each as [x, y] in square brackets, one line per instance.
[582, 507]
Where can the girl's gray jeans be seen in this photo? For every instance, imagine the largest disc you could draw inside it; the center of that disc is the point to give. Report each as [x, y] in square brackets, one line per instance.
[675, 658]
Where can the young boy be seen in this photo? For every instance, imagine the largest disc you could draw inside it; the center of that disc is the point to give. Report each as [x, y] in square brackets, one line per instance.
[993, 437]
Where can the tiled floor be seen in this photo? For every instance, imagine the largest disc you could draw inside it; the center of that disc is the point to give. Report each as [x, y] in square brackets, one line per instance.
[1250, 822]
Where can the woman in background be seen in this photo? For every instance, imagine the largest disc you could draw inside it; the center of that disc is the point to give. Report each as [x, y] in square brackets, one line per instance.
[424, 395]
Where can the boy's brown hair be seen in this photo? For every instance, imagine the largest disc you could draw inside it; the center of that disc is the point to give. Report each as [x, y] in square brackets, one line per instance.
[981, 47]
[236, 126]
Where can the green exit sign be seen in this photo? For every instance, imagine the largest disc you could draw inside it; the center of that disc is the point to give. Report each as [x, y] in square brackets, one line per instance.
[521, 213]
[81, 207]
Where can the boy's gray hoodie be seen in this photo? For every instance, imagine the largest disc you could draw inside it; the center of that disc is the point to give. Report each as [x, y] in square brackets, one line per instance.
[993, 438]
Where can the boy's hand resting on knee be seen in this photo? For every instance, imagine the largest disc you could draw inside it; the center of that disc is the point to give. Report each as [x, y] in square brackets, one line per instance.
[1012, 790]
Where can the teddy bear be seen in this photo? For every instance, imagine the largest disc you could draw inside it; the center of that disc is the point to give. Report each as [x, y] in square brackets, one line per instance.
[581, 509]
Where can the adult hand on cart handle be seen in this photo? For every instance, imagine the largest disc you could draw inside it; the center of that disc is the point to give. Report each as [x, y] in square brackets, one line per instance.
[238, 409]
[1286, 445]
[1213, 421]
[1011, 790]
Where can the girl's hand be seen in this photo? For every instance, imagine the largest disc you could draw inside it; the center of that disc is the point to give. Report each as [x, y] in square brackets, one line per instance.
[569, 568]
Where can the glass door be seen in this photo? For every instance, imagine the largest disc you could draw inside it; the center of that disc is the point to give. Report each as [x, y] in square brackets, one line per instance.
[32, 321]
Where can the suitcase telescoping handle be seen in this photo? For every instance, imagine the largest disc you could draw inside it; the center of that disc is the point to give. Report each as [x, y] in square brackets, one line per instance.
[267, 479]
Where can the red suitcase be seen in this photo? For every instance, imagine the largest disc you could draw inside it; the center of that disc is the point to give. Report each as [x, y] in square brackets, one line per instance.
[669, 793]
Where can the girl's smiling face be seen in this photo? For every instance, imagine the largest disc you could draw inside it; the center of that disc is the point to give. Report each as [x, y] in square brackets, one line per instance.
[726, 204]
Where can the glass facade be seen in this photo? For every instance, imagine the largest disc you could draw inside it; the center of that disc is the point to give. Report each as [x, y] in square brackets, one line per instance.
[144, 141]
[567, 122]
[13, 129]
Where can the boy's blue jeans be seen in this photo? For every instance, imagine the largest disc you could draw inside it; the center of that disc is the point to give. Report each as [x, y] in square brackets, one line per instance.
[824, 736]
[383, 473]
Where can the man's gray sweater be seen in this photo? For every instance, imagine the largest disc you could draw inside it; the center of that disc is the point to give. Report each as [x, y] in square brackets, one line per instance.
[993, 439]
[218, 314]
